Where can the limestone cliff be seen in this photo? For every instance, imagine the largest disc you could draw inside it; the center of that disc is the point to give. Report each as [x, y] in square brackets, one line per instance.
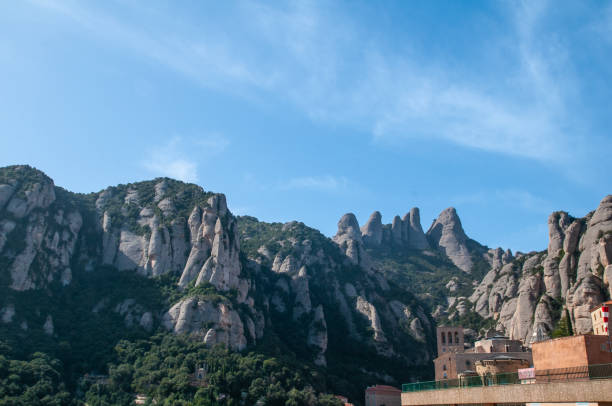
[447, 234]
[529, 293]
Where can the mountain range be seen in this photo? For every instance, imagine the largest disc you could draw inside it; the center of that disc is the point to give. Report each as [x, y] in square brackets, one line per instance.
[80, 273]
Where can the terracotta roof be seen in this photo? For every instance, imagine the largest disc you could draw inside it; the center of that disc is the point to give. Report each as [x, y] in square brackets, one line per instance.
[382, 388]
[609, 302]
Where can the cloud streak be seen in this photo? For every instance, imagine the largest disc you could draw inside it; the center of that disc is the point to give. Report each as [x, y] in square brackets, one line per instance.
[326, 183]
[178, 158]
[324, 64]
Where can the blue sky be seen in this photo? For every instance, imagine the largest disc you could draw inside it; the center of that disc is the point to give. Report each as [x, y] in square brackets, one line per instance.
[308, 110]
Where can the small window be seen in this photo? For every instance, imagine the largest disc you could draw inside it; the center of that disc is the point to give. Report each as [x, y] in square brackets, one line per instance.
[450, 337]
[456, 337]
[443, 338]
[467, 362]
[444, 349]
[445, 375]
[444, 367]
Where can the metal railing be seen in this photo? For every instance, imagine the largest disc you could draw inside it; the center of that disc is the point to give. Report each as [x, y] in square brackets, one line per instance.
[586, 372]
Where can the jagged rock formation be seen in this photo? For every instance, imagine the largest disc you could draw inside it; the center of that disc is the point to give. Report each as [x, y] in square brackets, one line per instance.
[402, 232]
[414, 232]
[372, 231]
[209, 322]
[235, 280]
[350, 241]
[447, 234]
[528, 293]
[37, 234]
[310, 286]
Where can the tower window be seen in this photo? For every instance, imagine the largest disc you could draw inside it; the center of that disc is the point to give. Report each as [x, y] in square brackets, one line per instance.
[450, 337]
[443, 338]
[456, 337]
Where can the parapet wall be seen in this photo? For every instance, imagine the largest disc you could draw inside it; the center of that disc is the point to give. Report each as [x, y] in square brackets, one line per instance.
[575, 391]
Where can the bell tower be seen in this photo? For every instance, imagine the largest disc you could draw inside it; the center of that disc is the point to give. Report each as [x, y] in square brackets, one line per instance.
[450, 339]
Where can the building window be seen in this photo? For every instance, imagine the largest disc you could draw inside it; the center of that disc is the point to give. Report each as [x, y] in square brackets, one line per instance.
[443, 338]
[467, 362]
[456, 337]
[450, 337]
[445, 375]
[444, 367]
[444, 349]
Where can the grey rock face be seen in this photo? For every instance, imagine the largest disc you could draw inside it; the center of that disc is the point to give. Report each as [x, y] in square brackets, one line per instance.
[51, 243]
[449, 237]
[317, 336]
[402, 232]
[396, 230]
[6, 191]
[372, 232]
[301, 291]
[349, 240]
[211, 323]
[574, 269]
[50, 240]
[8, 312]
[416, 237]
[48, 327]
[368, 310]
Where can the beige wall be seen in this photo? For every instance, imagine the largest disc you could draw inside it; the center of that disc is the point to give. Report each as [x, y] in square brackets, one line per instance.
[578, 391]
[498, 345]
[444, 345]
[494, 367]
[457, 363]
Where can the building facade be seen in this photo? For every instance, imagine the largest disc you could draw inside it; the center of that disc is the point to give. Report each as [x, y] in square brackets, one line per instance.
[572, 351]
[380, 395]
[450, 365]
[498, 344]
[450, 339]
[599, 317]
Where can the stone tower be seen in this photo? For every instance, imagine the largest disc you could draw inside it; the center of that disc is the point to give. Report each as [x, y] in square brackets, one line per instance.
[450, 339]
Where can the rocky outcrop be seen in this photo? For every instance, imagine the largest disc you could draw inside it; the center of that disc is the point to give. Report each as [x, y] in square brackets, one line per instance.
[209, 322]
[405, 232]
[372, 231]
[203, 247]
[415, 236]
[37, 234]
[317, 336]
[448, 236]
[528, 295]
[349, 240]
[368, 311]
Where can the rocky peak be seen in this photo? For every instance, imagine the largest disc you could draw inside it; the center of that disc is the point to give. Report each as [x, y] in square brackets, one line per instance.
[396, 230]
[349, 240]
[416, 237]
[448, 236]
[403, 232]
[348, 227]
[372, 231]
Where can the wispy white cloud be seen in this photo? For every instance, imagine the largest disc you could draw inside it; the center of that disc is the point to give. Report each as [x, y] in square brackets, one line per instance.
[168, 160]
[326, 183]
[333, 71]
[179, 157]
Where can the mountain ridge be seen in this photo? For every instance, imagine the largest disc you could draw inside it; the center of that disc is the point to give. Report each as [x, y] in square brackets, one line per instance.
[172, 258]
